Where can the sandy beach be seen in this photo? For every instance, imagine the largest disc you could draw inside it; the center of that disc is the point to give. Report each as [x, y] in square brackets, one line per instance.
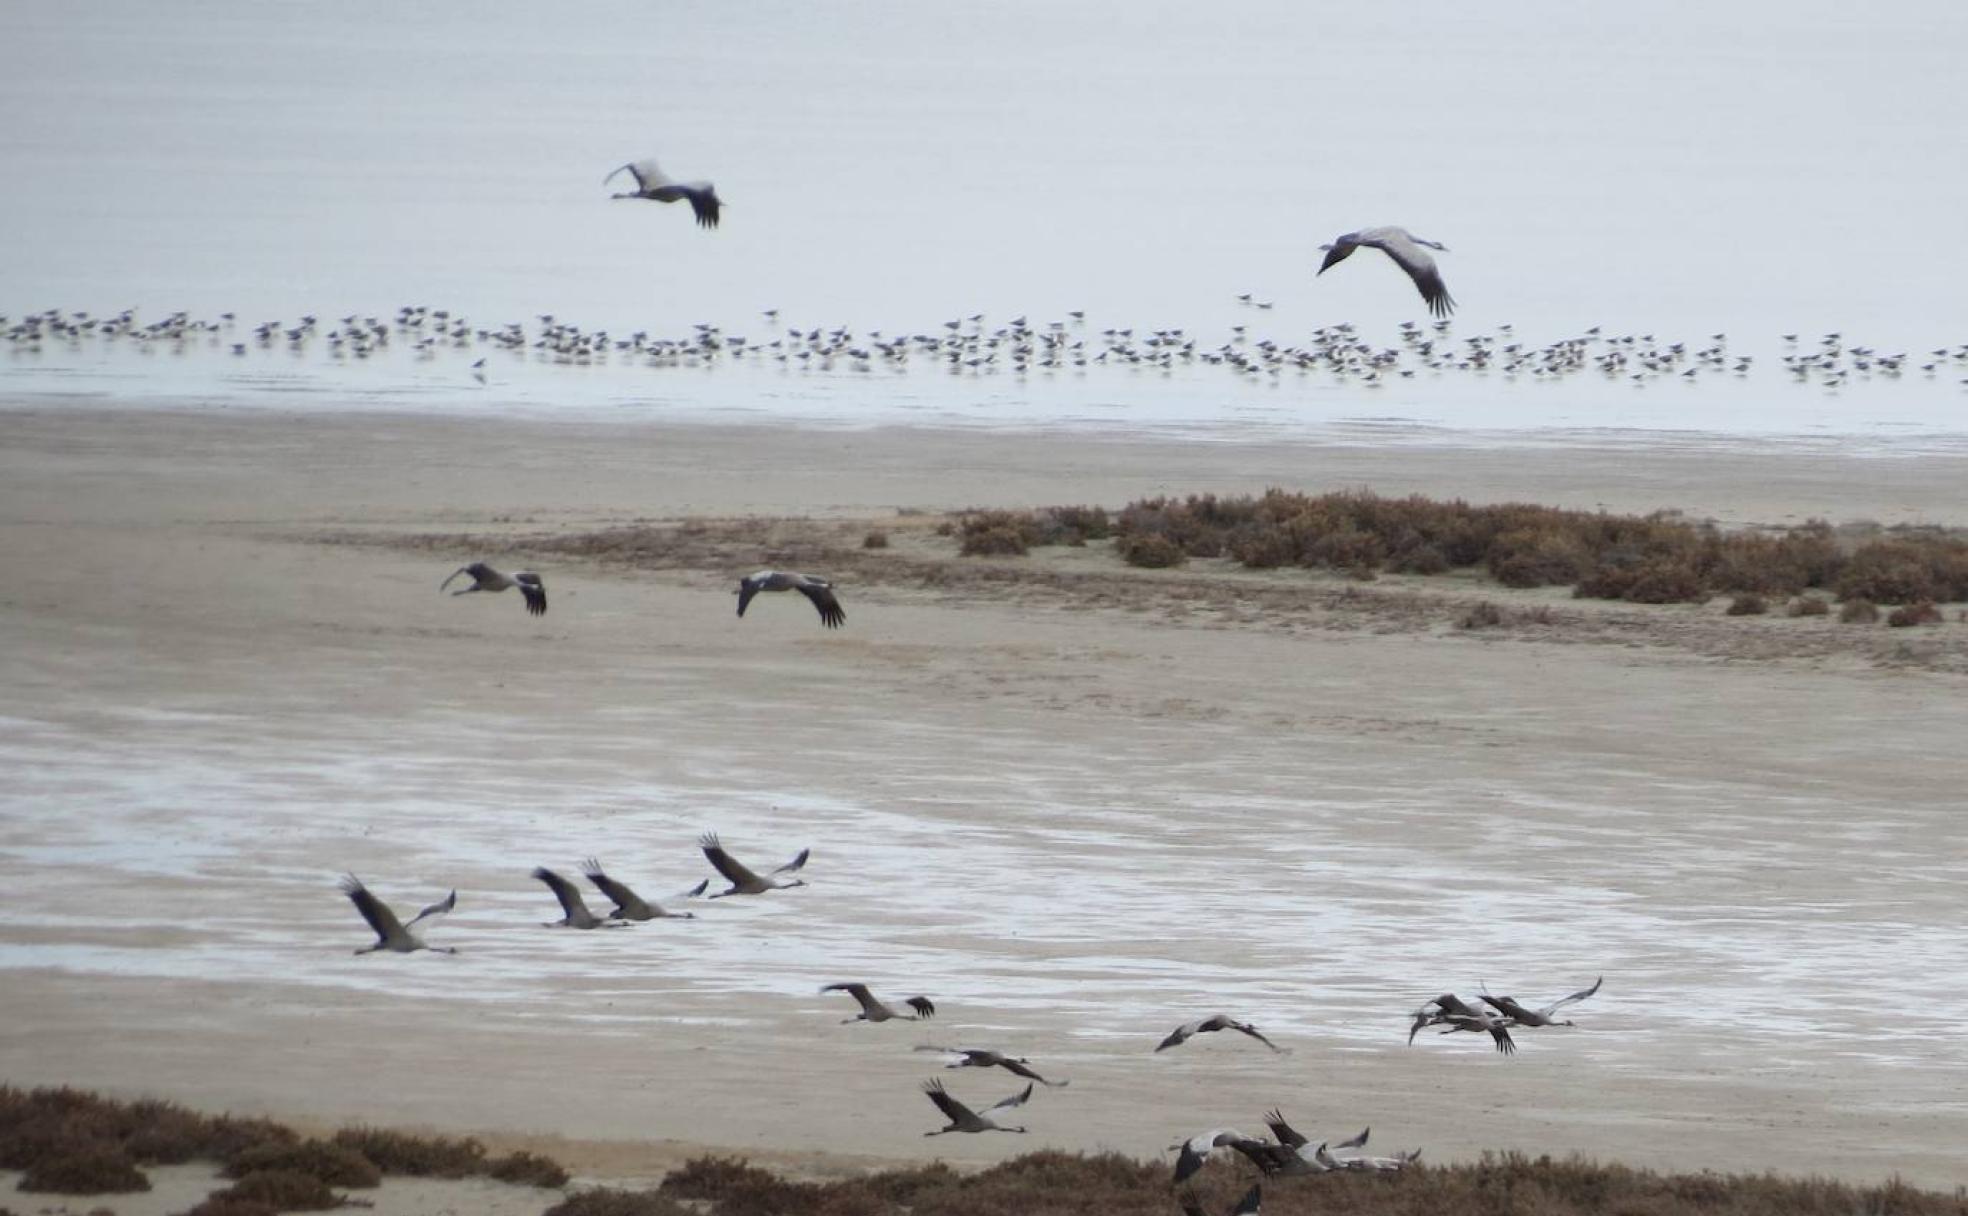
[1077, 807]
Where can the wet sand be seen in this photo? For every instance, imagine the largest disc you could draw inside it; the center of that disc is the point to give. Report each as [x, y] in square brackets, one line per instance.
[1073, 824]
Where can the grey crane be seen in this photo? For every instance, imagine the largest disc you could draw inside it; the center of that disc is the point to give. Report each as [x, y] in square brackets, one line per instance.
[485, 578]
[984, 1057]
[629, 905]
[1222, 1021]
[1408, 253]
[392, 934]
[1518, 1015]
[872, 1010]
[819, 590]
[964, 1119]
[1193, 1152]
[1457, 1014]
[1293, 1155]
[659, 187]
[742, 880]
[574, 909]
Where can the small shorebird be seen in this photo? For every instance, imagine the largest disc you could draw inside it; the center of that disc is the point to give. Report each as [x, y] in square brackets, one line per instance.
[485, 578]
[1408, 253]
[1518, 1015]
[872, 1010]
[629, 905]
[659, 187]
[1222, 1021]
[964, 1119]
[1247, 1206]
[984, 1057]
[574, 908]
[819, 590]
[392, 934]
[742, 880]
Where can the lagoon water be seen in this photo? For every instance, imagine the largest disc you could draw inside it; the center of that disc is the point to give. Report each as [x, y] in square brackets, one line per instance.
[1676, 169]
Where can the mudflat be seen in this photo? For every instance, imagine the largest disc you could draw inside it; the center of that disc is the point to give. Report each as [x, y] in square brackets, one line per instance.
[1073, 803]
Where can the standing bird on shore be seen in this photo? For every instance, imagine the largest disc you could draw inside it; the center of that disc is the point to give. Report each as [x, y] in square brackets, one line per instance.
[392, 934]
[1222, 1021]
[819, 590]
[485, 578]
[629, 905]
[1518, 1015]
[574, 909]
[659, 187]
[984, 1057]
[1408, 253]
[742, 880]
[872, 1010]
[1247, 1206]
[964, 1119]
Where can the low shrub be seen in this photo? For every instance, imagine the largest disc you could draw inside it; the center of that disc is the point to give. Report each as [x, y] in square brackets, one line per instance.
[415, 1156]
[1484, 615]
[1151, 551]
[1923, 613]
[1859, 612]
[993, 542]
[223, 1205]
[87, 1169]
[875, 540]
[334, 1164]
[1748, 604]
[285, 1190]
[528, 1169]
[1809, 605]
[606, 1201]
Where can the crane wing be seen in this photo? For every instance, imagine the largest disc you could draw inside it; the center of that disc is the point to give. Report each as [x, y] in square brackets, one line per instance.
[797, 863]
[1018, 1099]
[733, 870]
[822, 595]
[1580, 995]
[373, 910]
[952, 1109]
[436, 911]
[627, 902]
[566, 892]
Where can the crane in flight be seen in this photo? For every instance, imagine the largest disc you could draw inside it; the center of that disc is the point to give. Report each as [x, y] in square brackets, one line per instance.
[1409, 252]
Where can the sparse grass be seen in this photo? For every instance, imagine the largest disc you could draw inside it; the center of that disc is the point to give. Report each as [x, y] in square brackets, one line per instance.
[283, 1190]
[334, 1164]
[1482, 615]
[88, 1169]
[999, 533]
[415, 1156]
[528, 1169]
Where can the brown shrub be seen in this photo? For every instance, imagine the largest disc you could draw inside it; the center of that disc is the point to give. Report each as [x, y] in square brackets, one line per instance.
[1150, 551]
[1859, 612]
[1809, 605]
[1923, 613]
[416, 1156]
[738, 1188]
[528, 1169]
[1748, 604]
[993, 542]
[222, 1205]
[87, 1169]
[1484, 615]
[334, 1164]
[876, 539]
[1529, 557]
[286, 1190]
[604, 1201]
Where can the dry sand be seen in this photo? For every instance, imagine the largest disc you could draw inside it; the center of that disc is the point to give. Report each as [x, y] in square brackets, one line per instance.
[225, 712]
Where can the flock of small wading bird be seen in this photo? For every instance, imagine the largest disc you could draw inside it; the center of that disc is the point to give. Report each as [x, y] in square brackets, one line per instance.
[967, 346]
[1288, 1153]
